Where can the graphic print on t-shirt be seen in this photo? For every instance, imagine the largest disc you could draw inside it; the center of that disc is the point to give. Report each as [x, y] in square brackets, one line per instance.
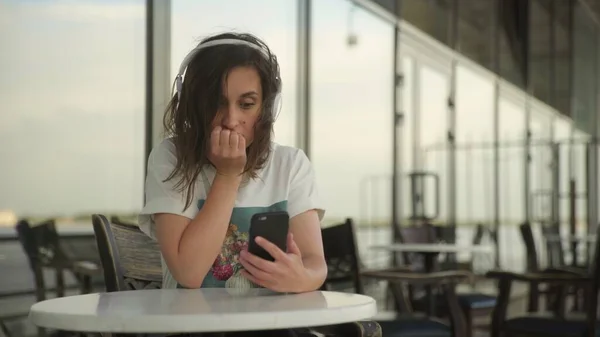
[226, 264]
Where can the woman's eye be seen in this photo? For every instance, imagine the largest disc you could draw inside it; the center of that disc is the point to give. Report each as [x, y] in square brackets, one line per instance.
[246, 105]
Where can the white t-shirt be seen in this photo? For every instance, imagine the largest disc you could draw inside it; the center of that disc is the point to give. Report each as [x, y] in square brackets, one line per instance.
[286, 183]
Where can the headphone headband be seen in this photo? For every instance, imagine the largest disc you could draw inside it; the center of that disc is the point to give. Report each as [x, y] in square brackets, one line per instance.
[212, 43]
[204, 45]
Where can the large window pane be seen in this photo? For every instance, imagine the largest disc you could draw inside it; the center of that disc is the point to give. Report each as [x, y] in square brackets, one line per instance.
[407, 143]
[351, 121]
[540, 174]
[432, 154]
[562, 136]
[512, 131]
[474, 155]
[194, 20]
[432, 95]
[72, 102]
[579, 164]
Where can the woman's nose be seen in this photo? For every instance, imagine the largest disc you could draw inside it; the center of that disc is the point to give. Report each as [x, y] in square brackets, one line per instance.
[230, 119]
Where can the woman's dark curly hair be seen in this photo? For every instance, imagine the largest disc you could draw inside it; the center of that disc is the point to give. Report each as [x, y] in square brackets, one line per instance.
[188, 119]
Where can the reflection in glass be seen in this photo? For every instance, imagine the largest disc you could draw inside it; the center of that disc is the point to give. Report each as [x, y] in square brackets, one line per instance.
[352, 120]
[278, 32]
[475, 33]
[432, 17]
[539, 49]
[72, 121]
[474, 154]
[585, 61]
[561, 96]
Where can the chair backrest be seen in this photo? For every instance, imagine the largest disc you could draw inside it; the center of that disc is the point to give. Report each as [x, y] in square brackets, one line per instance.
[423, 233]
[341, 255]
[591, 299]
[446, 234]
[530, 250]
[40, 243]
[554, 247]
[478, 236]
[131, 260]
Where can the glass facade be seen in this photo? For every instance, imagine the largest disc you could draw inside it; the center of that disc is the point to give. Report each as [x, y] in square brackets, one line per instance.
[490, 114]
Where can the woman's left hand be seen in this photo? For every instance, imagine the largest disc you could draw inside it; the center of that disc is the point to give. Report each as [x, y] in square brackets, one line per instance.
[285, 274]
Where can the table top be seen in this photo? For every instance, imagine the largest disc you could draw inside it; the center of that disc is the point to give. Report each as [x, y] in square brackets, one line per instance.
[433, 248]
[10, 233]
[199, 310]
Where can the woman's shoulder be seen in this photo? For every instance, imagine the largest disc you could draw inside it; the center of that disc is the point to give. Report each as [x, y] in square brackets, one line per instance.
[163, 152]
[284, 154]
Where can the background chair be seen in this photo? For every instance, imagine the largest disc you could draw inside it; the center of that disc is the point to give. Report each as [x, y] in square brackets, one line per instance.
[472, 303]
[44, 251]
[131, 260]
[554, 323]
[339, 243]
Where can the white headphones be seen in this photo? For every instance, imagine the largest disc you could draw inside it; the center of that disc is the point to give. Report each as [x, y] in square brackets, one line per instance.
[178, 85]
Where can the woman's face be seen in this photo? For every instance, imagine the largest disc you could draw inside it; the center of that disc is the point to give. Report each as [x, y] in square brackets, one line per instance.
[240, 106]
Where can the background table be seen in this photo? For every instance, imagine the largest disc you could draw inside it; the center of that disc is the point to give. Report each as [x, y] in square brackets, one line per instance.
[430, 251]
[199, 310]
[433, 248]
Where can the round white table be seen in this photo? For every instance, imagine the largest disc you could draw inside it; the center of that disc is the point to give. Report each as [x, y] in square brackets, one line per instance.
[199, 310]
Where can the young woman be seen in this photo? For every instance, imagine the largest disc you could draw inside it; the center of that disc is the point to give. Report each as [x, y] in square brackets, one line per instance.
[219, 166]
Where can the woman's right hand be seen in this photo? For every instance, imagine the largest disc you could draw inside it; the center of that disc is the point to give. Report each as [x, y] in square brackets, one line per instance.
[227, 152]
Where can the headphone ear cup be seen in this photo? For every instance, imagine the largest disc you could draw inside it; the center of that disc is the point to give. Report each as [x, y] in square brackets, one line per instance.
[277, 100]
[277, 106]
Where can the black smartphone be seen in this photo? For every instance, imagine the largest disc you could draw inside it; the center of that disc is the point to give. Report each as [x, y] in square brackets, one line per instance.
[272, 226]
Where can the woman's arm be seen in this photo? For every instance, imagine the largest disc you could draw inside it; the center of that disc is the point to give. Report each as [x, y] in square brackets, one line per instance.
[190, 247]
[306, 229]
